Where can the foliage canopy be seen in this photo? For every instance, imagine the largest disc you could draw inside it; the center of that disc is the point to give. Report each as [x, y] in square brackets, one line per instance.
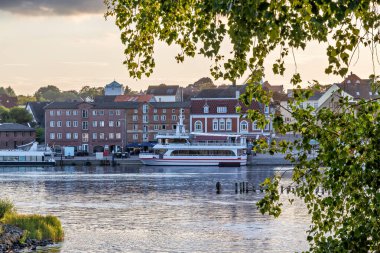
[348, 161]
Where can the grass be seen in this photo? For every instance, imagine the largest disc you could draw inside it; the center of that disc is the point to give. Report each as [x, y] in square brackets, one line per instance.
[6, 206]
[37, 226]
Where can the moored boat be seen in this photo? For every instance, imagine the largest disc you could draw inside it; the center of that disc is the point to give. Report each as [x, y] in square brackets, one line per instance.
[183, 149]
[27, 155]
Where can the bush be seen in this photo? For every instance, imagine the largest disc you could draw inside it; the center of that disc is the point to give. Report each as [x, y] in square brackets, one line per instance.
[6, 206]
[37, 226]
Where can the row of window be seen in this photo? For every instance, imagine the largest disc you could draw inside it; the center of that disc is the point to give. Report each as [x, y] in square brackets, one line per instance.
[155, 127]
[74, 123]
[155, 118]
[221, 125]
[14, 134]
[84, 112]
[223, 109]
[85, 136]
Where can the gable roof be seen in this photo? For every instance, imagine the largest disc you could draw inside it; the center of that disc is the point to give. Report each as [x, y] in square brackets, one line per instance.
[38, 111]
[6, 127]
[274, 88]
[171, 104]
[162, 90]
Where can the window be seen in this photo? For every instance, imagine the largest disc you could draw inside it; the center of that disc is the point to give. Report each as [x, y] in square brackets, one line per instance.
[215, 124]
[111, 135]
[145, 108]
[118, 112]
[173, 110]
[228, 124]
[94, 136]
[59, 123]
[134, 117]
[205, 109]
[145, 137]
[101, 136]
[135, 111]
[154, 110]
[145, 118]
[135, 127]
[174, 117]
[94, 123]
[174, 127]
[163, 117]
[59, 113]
[85, 125]
[155, 117]
[75, 112]
[135, 136]
[315, 105]
[84, 113]
[198, 126]
[118, 123]
[75, 123]
[222, 124]
[101, 123]
[94, 112]
[110, 123]
[68, 112]
[59, 136]
[51, 113]
[52, 136]
[254, 126]
[221, 109]
[163, 110]
[266, 127]
[118, 135]
[68, 123]
[85, 137]
[244, 126]
[75, 136]
[111, 112]
[68, 136]
[163, 127]
[266, 109]
[52, 123]
[145, 128]
[156, 127]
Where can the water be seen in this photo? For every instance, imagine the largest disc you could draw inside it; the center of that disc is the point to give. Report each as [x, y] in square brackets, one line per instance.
[145, 209]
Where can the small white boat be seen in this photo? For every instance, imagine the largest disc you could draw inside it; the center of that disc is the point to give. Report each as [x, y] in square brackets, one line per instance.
[182, 149]
[27, 155]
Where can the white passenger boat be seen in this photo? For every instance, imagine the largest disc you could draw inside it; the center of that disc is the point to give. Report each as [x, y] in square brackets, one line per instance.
[180, 148]
[27, 155]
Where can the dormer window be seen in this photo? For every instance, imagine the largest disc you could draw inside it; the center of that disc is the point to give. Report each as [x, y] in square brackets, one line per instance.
[370, 93]
[357, 93]
[348, 81]
[205, 109]
[221, 109]
[266, 109]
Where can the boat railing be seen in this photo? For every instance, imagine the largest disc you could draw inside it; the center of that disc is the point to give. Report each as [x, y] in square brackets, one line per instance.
[207, 144]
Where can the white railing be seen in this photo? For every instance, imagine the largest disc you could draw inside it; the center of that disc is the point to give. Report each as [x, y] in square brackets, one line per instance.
[207, 144]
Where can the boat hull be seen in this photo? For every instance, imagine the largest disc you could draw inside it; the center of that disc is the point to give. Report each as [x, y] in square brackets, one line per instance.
[194, 162]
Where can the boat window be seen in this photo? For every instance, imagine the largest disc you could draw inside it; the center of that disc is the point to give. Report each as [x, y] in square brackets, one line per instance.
[203, 153]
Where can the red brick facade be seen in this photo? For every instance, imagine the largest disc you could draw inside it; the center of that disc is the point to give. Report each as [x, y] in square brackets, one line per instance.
[13, 135]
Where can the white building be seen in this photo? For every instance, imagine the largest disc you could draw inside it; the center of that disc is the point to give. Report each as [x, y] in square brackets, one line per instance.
[113, 89]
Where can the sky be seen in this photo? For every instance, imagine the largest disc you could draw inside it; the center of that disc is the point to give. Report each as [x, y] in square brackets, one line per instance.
[69, 44]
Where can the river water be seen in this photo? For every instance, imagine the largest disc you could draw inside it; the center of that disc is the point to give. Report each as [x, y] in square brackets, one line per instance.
[161, 209]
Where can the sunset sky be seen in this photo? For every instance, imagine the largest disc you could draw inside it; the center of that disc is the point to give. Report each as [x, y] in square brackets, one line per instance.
[68, 43]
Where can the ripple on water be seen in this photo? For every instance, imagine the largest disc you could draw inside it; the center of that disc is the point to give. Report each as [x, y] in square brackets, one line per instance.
[145, 209]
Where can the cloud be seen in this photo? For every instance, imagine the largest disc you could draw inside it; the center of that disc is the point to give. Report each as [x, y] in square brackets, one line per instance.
[52, 7]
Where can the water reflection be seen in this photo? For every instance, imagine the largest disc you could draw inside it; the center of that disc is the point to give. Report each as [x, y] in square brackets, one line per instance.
[146, 209]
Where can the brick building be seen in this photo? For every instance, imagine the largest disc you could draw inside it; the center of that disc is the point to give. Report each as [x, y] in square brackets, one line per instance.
[13, 135]
[107, 125]
[214, 111]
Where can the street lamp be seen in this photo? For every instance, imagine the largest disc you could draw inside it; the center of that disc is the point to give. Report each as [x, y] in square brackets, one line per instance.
[123, 132]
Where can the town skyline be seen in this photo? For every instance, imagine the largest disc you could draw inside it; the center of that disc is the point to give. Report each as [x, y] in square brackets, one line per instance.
[71, 45]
